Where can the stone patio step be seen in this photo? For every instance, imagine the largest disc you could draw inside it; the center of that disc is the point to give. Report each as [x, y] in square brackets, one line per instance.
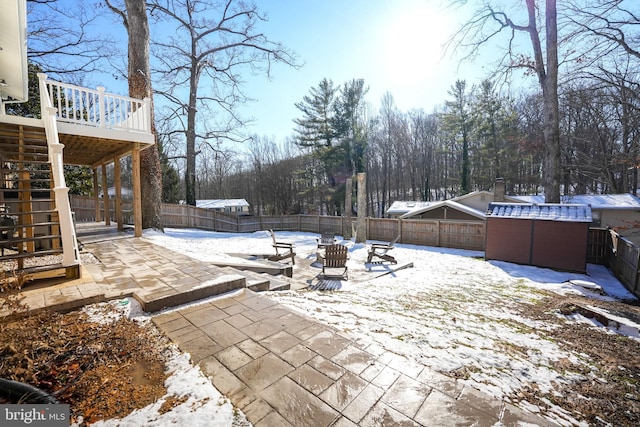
[261, 282]
[257, 265]
[156, 301]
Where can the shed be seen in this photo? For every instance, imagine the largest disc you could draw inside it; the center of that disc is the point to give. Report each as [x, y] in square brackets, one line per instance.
[544, 235]
[229, 206]
[447, 210]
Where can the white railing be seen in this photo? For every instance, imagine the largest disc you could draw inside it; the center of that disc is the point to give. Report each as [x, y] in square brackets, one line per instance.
[88, 107]
[70, 252]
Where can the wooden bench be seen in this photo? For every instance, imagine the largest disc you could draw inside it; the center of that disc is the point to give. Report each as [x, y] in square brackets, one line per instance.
[284, 250]
[335, 257]
[381, 251]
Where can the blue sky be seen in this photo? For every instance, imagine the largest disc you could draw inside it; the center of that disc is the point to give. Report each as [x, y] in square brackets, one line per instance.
[395, 46]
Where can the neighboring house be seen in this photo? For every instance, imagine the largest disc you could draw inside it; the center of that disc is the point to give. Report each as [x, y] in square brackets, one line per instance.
[78, 126]
[471, 206]
[446, 210]
[400, 207]
[229, 206]
[125, 193]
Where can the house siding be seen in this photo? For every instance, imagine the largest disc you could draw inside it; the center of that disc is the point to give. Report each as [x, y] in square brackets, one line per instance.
[446, 213]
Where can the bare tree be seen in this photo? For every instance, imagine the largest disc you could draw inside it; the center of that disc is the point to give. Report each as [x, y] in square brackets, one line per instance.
[486, 23]
[60, 39]
[608, 26]
[208, 44]
[134, 18]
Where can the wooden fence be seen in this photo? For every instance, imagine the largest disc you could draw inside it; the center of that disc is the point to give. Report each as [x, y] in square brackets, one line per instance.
[452, 234]
[448, 234]
[623, 259]
[605, 247]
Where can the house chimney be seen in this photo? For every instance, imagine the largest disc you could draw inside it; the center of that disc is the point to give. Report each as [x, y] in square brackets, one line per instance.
[499, 190]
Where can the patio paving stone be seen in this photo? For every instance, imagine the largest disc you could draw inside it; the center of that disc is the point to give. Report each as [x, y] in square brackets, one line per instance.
[277, 365]
[296, 405]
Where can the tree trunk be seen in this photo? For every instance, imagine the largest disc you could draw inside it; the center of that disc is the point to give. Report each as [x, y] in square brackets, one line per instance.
[190, 172]
[553, 170]
[347, 207]
[361, 222]
[140, 87]
[548, 79]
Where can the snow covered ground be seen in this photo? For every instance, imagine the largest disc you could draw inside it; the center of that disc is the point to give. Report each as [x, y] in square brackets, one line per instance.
[450, 312]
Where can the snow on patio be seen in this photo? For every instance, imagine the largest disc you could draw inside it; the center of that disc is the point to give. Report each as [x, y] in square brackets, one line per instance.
[452, 312]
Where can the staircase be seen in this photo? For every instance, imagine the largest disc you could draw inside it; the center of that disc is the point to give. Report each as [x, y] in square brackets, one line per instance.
[30, 237]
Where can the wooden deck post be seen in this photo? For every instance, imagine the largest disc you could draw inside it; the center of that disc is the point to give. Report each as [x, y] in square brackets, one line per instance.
[118, 200]
[137, 197]
[96, 195]
[105, 196]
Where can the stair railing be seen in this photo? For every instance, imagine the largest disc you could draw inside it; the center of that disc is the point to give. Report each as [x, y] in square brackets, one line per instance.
[71, 255]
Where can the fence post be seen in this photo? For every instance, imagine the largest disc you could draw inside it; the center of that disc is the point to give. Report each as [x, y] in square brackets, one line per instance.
[637, 267]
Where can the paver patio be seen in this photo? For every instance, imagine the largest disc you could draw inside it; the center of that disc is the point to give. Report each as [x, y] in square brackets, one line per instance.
[280, 367]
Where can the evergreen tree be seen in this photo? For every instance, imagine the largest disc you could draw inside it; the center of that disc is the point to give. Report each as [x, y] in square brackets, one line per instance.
[170, 179]
[317, 126]
[457, 120]
[349, 124]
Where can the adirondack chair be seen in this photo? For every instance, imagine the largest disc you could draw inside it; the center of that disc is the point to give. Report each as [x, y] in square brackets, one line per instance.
[381, 250]
[284, 250]
[326, 238]
[335, 257]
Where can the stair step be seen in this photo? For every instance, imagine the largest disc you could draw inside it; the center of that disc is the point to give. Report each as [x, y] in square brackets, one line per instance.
[33, 179]
[37, 212]
[31, 225]
[34, 199]
[30, 254]
[14, 241]
[29, 190]
[15, 148]
[31, 162]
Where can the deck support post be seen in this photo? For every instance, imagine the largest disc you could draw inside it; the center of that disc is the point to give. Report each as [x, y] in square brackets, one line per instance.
[137, 197]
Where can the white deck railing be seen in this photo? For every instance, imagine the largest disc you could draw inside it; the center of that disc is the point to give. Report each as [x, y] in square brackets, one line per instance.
[88, 107]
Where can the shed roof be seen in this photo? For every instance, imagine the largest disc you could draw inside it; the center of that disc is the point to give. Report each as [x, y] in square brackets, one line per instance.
[400, 207]
[543, 211]
[220, 203]
[448, 203]
[597, 201]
